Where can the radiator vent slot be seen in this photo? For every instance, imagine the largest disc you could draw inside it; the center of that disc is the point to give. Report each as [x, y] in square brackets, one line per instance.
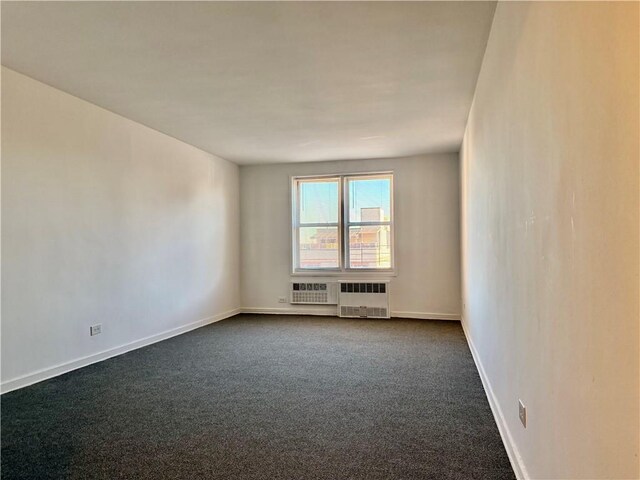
[350, 287]
[308, 297]
[363, 312]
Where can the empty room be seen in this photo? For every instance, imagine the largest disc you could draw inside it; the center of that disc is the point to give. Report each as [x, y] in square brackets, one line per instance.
[320, 240]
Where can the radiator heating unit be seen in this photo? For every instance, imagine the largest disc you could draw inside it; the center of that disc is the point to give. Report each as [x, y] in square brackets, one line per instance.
[363, 299]
[314, 293]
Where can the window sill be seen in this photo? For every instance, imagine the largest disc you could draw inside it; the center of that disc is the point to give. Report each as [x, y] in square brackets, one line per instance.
[347, 273]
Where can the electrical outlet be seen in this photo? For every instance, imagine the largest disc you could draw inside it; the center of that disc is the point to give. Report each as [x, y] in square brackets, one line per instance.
[95, 329]
[522, 413]
[282, 299]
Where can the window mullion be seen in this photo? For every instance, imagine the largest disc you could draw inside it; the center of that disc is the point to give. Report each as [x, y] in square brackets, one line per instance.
[344, 211]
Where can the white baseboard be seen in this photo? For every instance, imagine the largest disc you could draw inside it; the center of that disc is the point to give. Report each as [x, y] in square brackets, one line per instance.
[332, 310]
[512, 450]
[50, 372]
[427, 316]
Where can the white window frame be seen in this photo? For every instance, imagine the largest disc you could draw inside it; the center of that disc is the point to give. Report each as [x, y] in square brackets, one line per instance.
[343, 225]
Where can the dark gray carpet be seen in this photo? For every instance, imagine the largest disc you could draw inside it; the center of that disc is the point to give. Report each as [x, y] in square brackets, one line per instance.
[265, 397]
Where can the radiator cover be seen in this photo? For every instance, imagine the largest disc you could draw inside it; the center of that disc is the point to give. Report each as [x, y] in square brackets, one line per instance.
[314, 293]
[363, 299]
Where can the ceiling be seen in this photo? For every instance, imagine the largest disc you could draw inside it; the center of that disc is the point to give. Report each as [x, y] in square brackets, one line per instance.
[265, 82]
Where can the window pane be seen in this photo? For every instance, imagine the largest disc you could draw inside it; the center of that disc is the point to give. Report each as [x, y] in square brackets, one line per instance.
[370, 200]
[370, 247]
[319, 247]
[319, 201]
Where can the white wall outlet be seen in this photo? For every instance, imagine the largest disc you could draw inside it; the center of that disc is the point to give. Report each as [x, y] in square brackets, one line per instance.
[95, 329]
[522, 413]
[282, 299]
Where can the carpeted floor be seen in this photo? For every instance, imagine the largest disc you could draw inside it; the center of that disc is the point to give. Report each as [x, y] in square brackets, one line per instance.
[265, 397]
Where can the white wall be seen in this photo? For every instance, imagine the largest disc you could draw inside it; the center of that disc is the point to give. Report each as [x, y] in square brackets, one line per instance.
[426, 222]
[105, 221]
[550, 234]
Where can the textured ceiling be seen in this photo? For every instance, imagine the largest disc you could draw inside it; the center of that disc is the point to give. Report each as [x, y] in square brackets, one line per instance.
[258, 82]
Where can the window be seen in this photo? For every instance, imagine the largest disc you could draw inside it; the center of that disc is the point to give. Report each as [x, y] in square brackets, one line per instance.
[343, 223]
